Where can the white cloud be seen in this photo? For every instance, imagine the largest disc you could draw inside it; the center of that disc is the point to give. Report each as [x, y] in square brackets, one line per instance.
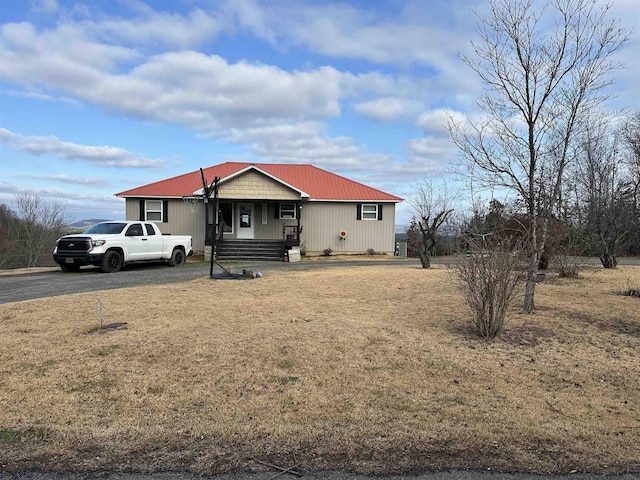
[100, 62]
[6, 188]
[188, 88]
[251, 16]
[411, 35]
[435, 150]
[435, 122]
[103, 156]
[207, 93]
[92, 182]
[303, 143]
[309, 143]
[46, 7]
[385, 109]
[430, 149]
[153, 29]
[61, 59]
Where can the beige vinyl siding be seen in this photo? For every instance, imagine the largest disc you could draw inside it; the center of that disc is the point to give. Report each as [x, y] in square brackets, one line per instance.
[256, 186]
[181, 222]
[272, 230]
[323, 221]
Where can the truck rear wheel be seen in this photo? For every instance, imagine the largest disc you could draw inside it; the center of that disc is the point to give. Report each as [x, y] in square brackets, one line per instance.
[111, 262]
[177, 257]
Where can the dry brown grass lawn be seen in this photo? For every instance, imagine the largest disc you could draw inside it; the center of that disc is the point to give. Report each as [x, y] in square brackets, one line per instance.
[370, 368]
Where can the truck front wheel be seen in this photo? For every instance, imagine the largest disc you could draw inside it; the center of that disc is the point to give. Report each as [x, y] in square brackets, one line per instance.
[111, 262]
[177, 257]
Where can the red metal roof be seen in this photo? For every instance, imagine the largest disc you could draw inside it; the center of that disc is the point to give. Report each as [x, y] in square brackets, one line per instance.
[318, 184]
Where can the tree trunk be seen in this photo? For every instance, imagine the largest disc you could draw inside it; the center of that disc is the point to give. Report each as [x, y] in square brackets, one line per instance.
[426, 244]
[424, 259]
[538, 240]
[608, 261]
[530, 286]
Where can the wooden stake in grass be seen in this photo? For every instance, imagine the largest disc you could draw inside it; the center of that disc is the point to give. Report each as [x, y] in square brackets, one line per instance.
[104, 327]
[100, 313]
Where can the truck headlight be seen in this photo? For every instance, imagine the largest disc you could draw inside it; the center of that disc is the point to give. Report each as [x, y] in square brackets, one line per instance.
[98, 243]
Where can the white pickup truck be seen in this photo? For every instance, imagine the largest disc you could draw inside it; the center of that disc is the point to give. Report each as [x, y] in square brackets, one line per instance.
[110, 245]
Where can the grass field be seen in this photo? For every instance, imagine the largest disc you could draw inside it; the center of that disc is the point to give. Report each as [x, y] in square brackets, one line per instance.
[368, 368]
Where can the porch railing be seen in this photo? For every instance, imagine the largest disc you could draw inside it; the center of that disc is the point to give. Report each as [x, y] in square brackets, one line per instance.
[291, 235]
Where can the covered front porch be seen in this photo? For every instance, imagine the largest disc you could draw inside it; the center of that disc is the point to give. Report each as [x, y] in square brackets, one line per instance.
[252, 229]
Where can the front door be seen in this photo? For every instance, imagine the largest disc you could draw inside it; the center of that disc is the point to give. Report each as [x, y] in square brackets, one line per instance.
[245, 220]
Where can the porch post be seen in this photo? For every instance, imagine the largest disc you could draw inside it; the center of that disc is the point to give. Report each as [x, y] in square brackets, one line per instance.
[299, 207]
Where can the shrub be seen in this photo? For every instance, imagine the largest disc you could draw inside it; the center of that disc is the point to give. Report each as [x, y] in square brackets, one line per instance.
[327, 252]
[487, 279]
[371, 251]
[568, 262]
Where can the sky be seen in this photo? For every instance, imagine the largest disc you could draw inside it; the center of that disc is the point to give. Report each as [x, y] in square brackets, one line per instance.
[101, 96]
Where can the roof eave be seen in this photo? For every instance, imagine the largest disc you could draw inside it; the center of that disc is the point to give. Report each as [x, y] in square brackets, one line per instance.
[144, 195]
[351, 200]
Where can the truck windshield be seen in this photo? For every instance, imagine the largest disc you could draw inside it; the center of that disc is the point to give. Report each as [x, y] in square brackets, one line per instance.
[106, 228]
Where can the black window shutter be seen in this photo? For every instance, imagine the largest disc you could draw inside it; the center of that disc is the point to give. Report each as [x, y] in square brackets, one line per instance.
[379, 211]
[142, 211]
[276, 211]
[165, 211]
[358, 211]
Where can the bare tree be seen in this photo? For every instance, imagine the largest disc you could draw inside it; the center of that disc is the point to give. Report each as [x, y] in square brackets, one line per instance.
[40, 224]
[543, 68]
[432, 205]
[631, 142]
[631, 137]
[606, 189]
[8, 247]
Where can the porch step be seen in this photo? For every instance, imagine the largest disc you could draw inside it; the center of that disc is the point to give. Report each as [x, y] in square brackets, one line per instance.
[262, 250]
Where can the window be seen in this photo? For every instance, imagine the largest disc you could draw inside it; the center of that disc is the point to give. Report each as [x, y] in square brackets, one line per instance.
[108, 228]
[287, 210]
[246, 212]
[150, 229]
[369, 211]
[134, 230]
[153, 210]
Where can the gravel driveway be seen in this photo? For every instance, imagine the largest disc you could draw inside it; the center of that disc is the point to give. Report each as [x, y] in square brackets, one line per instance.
[29, 284]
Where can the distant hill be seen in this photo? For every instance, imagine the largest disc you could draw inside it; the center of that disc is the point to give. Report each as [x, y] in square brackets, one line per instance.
[87, 223]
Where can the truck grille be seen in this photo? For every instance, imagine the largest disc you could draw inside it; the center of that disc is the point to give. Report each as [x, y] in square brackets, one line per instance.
[74, 244]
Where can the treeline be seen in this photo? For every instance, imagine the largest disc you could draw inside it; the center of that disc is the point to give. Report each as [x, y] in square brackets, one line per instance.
[28, 234]
[597, 213]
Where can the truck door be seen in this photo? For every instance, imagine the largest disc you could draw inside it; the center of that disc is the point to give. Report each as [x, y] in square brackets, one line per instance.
[135, 243]
[154, 242]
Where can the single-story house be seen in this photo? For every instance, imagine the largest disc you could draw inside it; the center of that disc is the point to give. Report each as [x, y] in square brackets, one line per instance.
[258, 204]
